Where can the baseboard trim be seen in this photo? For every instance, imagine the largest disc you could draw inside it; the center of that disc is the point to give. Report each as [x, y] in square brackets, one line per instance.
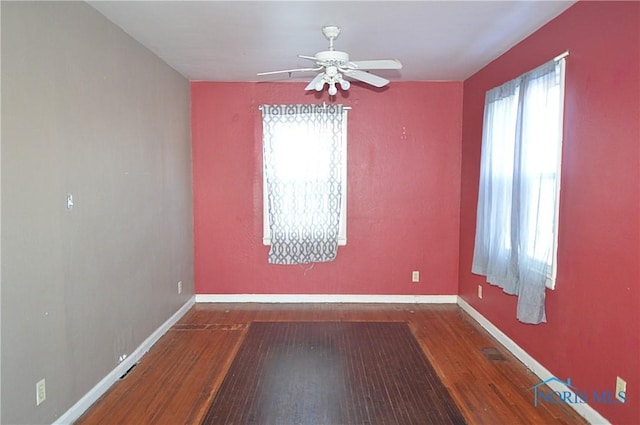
[584, 410]
[101, 387]
[326, 298]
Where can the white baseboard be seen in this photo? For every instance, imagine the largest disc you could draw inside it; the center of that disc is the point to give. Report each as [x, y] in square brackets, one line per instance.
[326, 298]
[101, 387]
[583, 409]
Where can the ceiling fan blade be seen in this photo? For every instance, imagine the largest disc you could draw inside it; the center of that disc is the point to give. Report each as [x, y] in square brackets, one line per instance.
[312, 84]
[311, 58]
[366, 77]
[290, 70]
[375, 64]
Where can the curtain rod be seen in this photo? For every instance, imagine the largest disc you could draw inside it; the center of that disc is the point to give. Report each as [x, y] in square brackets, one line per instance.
[561, 56]
[348, 108]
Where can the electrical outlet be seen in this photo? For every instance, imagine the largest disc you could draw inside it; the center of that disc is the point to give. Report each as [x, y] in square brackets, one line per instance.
[621, 387]
[415, 276]
[41, 392]
[179, 287]
[480, 291]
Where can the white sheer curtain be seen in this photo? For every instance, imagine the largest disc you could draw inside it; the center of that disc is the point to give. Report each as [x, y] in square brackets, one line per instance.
[303, 170]
[516, 228]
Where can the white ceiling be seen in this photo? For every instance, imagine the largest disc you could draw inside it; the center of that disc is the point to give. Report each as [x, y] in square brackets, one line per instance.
[234, 40]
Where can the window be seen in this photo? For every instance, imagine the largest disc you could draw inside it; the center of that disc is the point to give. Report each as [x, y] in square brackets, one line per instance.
[304, 181]
[518, 199]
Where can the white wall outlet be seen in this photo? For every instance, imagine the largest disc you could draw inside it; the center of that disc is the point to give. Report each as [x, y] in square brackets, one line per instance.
[480, 291]
[41, 392]
[415, 276]
[179, 287]
[621, 389]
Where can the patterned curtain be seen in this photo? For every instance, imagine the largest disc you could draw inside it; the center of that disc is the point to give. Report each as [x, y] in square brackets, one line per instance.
[303, 161]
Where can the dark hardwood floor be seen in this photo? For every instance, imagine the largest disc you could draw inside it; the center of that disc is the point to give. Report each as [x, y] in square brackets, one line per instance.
[176, 382]
[310, 373]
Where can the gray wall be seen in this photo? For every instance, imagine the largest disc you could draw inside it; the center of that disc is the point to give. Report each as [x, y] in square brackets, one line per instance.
[86, 110]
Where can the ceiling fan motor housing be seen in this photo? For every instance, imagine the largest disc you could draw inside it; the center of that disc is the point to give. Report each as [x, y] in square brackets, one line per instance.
[332, 57]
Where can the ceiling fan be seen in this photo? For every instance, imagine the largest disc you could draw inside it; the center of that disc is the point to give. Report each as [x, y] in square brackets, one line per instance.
[335, 65]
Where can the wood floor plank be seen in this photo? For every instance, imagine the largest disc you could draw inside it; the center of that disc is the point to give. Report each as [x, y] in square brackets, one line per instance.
[176, 381]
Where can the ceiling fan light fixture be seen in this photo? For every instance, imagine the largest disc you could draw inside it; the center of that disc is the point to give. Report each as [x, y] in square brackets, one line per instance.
[344, 84]
[332, 89]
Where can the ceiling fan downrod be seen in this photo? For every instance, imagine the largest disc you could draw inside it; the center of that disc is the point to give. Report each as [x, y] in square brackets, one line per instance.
[331, 32]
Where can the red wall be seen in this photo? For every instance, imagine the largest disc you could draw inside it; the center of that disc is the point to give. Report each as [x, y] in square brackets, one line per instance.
[403, 191]
[593, 328]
